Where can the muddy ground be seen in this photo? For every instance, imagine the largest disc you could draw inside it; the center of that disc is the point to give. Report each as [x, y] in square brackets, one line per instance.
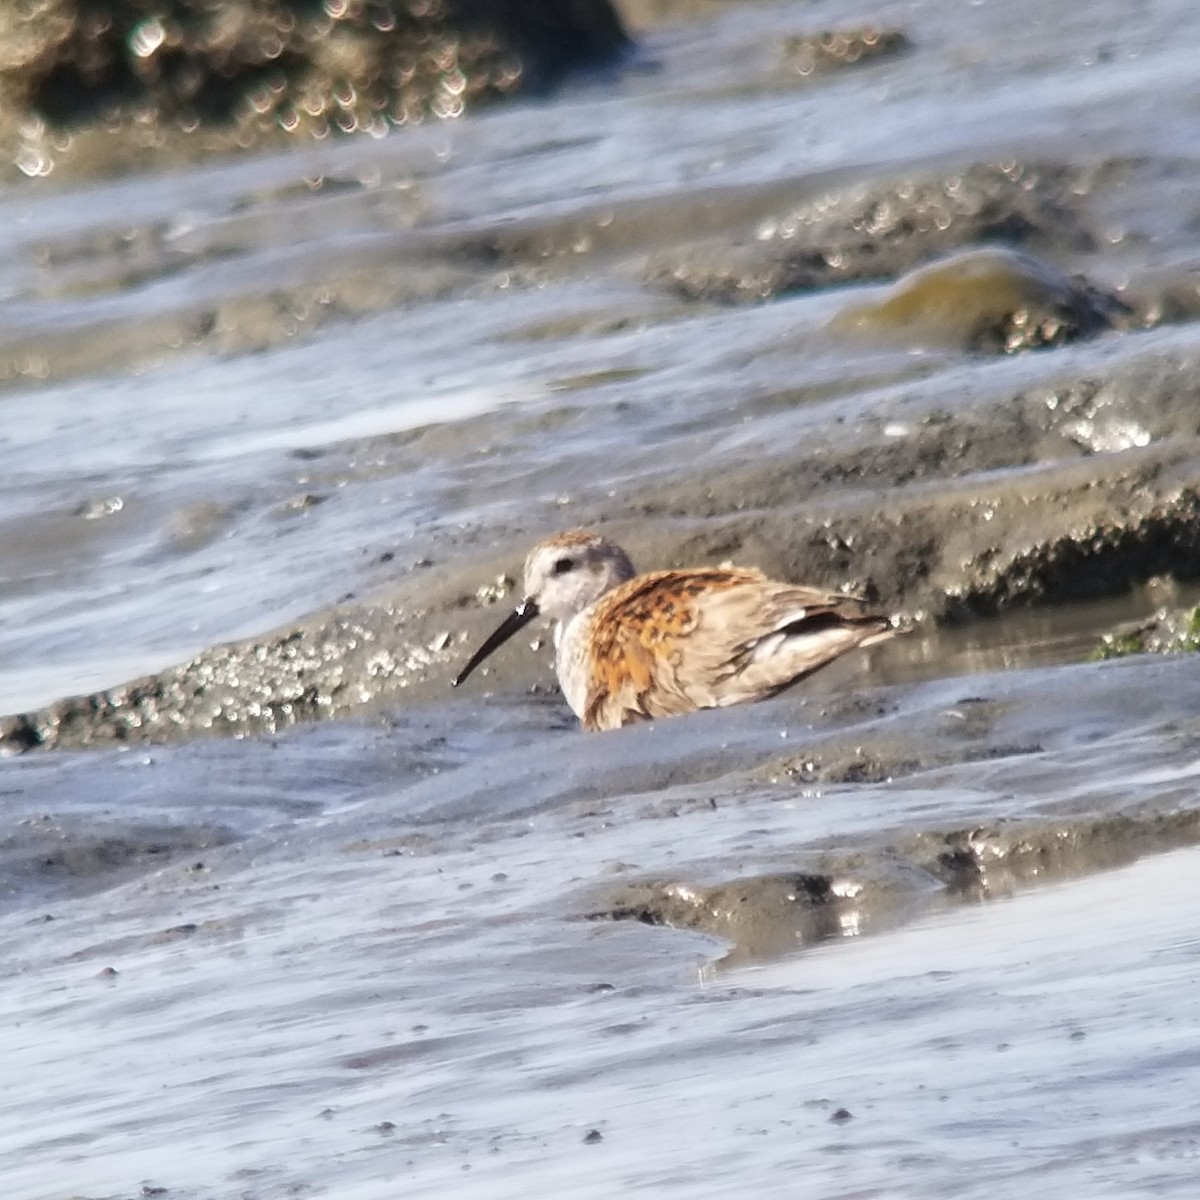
[901, 302]
[1075, 486]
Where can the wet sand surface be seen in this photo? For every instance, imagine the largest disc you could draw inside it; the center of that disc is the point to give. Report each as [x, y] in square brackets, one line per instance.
[908, 313]
[364, 984]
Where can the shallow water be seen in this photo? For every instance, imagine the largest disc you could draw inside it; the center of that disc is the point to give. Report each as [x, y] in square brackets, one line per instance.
[359, 992]
[945, 887]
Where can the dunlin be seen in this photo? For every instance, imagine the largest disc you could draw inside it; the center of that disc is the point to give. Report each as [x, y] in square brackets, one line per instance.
[631, 647]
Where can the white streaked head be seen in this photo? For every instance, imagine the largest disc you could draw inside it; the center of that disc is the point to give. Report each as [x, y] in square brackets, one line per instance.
[563, 575]
[566, 573]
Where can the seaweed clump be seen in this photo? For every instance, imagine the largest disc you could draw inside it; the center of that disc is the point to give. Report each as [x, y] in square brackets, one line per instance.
[1165, 632]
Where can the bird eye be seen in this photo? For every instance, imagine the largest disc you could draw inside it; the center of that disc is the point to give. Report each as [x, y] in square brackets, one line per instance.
[562, 565]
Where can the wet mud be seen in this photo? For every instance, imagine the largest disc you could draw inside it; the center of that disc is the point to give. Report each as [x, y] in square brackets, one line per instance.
[261, 289]
[847, 234]
[941, 499]
[840, 893]
[943, 796]
[912, 315]
[1012, 738]
[49, 856]
[1105, 499]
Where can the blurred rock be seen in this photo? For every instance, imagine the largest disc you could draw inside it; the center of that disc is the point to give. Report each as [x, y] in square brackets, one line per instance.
[234, 71]
[993, 299]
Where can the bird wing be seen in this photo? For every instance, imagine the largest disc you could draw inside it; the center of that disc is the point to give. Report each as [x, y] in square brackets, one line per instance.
[674, 641]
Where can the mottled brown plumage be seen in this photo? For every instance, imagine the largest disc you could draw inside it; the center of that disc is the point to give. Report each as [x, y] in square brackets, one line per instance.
[636, 647]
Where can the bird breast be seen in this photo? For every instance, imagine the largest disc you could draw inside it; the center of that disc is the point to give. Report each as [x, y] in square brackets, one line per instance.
[571, 659]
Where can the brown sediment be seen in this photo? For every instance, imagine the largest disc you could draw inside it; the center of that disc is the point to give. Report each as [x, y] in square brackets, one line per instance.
[763, 914]
[838, 892]
[995, 860]
[810, 54]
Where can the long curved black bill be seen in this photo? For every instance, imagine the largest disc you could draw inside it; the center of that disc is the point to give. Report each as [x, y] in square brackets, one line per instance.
[513, 623]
